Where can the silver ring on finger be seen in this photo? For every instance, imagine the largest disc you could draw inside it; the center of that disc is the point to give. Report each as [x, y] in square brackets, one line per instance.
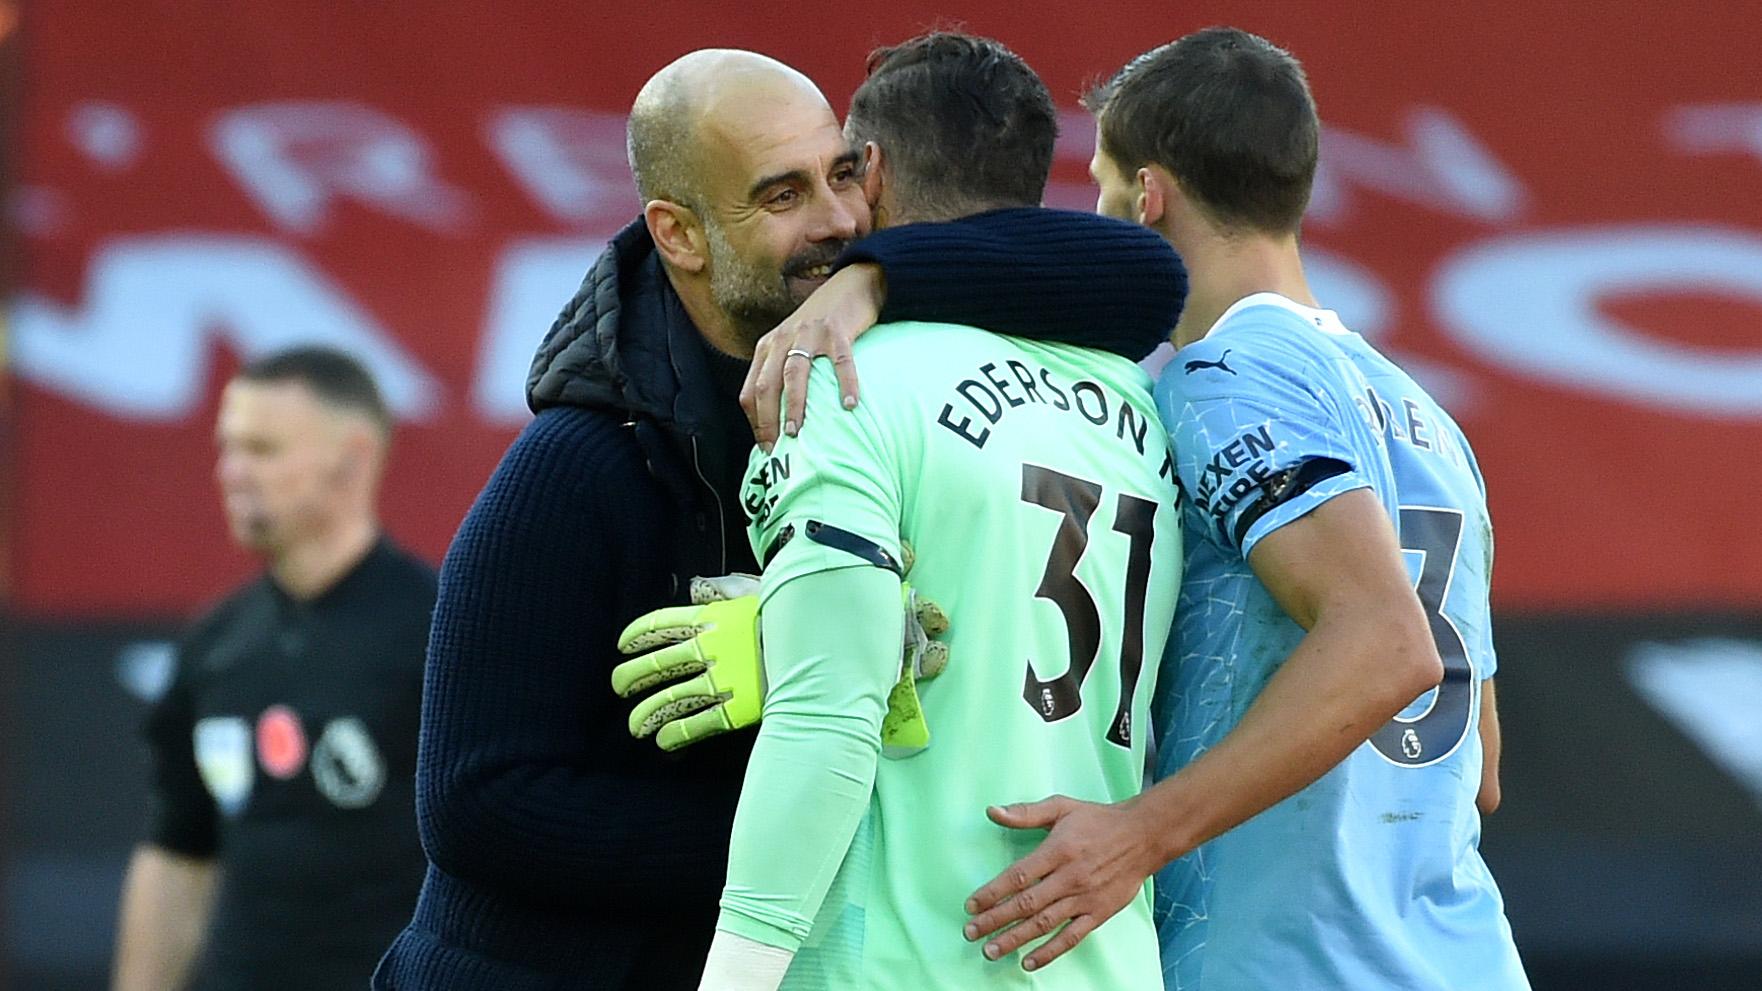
[797, 353]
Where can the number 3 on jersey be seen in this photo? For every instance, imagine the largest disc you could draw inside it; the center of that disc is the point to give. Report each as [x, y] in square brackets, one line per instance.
[1075, 500]
[1431, 736]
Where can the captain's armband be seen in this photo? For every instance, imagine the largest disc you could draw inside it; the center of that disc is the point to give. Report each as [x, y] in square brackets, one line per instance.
[1282, 486]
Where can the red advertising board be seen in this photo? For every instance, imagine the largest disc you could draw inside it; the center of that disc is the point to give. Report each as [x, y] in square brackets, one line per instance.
[1553, 217]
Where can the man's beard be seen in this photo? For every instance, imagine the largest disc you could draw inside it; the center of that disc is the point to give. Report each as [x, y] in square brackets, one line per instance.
[756, 296]
[256, 532]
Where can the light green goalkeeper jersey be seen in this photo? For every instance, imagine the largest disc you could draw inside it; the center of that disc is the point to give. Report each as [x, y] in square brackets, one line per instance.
[1034, 483]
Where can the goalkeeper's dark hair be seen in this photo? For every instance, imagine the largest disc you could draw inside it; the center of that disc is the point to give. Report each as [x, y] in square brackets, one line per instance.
[963, 122]
[1229, 114]
[338, 380]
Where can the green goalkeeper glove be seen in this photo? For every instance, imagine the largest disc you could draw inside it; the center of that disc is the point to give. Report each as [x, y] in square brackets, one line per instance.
[716, 639]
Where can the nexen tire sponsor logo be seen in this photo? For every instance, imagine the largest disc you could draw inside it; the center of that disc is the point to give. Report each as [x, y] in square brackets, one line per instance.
[1217, 493]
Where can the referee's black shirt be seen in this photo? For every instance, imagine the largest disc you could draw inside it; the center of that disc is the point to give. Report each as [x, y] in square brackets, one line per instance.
[286, 749]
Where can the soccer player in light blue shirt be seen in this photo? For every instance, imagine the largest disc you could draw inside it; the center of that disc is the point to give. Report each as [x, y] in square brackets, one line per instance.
[1325, 717]
[1280, 392]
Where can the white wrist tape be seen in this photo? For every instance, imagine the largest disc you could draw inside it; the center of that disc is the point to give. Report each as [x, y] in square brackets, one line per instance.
[740, 964]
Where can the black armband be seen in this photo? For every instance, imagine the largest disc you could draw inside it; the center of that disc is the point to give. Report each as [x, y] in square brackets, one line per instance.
[1283, 486]
[837, 539]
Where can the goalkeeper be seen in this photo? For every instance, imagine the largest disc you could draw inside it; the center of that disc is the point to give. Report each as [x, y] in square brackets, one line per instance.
[1033, 483]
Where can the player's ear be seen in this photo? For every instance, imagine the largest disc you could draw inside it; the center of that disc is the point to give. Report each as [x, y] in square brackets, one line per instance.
[1152, 193]
[873, 166]
[678, 234]
[346, 469]
[360, 454]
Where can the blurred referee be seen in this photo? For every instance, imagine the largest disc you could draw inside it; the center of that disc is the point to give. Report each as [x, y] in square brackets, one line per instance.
[281, 850]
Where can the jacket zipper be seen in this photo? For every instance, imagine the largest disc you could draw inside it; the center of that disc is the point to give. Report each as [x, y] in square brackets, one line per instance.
[721, 520]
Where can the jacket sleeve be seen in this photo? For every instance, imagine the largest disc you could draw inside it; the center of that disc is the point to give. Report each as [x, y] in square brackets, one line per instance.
[526, 782]
[1050, 275]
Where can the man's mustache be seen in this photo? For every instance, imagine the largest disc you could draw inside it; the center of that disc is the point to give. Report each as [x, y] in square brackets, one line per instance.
[821, 254]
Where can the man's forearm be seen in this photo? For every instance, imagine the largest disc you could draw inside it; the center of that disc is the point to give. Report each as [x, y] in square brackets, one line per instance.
[1345, 679]
[1337, 571]
[167, 899]
[831, 654]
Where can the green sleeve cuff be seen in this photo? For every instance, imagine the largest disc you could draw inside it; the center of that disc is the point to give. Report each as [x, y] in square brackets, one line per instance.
[780, 933]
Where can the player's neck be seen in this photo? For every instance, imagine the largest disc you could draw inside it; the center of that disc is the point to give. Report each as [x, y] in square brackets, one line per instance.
[1224, 270]
[312, 566]
[715, 325]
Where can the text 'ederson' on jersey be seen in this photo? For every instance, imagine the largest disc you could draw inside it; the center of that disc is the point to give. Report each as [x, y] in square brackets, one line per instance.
[1034, 483]
[1371, 877]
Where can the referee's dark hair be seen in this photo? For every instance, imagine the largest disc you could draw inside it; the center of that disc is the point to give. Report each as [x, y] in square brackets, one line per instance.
[1229, 114]
[338, 380]
[963, 122]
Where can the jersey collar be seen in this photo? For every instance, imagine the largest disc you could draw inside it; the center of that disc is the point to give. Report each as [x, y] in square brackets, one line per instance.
[1326, 321]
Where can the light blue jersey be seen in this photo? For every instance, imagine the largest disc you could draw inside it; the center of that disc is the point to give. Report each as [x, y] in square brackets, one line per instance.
[1371, 877]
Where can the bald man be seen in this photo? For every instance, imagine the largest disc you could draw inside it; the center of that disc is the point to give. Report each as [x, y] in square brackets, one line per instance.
[562, 852]
[750, 189]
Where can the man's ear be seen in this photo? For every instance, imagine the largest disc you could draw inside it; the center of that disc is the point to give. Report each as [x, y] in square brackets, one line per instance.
[362, 450]
[347, 466]
[1153, 193]
[874, 164]
[678, 235]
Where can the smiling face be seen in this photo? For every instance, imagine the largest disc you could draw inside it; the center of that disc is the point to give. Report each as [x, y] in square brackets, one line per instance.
[782, 198]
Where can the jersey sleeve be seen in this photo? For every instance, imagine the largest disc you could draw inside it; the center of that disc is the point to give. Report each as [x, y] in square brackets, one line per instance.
[1485, 651]
[832, 488]
[1051, 275]
[832, 644]
[182, 816]
[1255, 446]
[825, 510]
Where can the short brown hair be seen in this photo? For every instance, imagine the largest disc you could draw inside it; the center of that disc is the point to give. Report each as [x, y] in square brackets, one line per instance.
[1228, 113]
[337, 379]
[966, 123]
